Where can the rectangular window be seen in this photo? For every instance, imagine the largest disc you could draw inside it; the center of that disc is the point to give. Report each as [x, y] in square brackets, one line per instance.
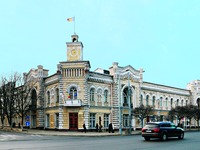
[125, 120]
[57, 120]
[47, 121]
[92, 120]
[106, 120]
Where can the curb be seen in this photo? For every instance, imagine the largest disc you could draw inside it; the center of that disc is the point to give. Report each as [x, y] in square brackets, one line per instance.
[75, 134]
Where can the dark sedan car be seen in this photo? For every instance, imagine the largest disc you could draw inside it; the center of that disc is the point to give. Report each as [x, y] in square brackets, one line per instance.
[161, 130]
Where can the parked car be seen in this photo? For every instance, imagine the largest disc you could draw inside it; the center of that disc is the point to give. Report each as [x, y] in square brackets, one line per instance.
[161, 130]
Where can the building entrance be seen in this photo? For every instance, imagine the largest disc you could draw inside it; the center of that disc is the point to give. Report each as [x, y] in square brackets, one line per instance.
[33, 122]
[73, 121]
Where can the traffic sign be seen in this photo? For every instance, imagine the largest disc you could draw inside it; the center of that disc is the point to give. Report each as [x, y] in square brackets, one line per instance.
[28, 123]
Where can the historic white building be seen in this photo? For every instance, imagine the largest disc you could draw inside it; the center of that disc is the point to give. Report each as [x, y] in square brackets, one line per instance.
[75, 95]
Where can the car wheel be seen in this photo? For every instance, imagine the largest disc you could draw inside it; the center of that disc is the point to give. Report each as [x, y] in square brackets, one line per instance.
[181, 135]
[147, 138]
[164, 137]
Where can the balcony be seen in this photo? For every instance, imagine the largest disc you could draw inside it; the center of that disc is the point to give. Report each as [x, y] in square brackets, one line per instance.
[73, 102]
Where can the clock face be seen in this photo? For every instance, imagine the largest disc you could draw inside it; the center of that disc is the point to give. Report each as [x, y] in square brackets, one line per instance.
[73, 52]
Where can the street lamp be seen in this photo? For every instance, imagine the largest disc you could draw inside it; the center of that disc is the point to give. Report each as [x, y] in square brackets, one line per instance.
[129, 101]
[120, 111]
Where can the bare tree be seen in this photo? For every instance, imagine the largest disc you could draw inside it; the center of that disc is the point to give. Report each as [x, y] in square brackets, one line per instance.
[142, 112]
[178, 112]
[197, 115]
[189, 112]
[23, 98]
[8, 88]
[2, 107]
[16, 97]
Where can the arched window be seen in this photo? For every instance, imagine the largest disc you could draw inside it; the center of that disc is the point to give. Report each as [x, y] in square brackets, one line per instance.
[186, 102]
[48, 97]
[161, 101]
[154, 99]
[125, 97]
[198, 102]
[57, 95]
[166, 102]
[33, 98]
[99, 93]
[181, 102]
[52, 95]
[73, 93]
[147, 100]
[92, 90]
[141, 99]
[106, 95]
[177, 102]
[171, 103]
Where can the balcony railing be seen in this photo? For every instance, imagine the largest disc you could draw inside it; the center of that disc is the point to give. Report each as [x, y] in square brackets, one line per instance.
[73, 102]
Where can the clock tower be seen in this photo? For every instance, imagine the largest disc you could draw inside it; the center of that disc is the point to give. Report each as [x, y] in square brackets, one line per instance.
[74, 49]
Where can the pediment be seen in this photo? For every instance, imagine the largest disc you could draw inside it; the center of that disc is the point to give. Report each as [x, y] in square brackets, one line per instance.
[129, 72]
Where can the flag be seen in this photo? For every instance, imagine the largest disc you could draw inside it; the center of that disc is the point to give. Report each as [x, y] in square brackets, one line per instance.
[70, 19]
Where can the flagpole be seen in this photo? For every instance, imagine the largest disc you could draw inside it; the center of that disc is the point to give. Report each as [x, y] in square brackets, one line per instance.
[74, 25]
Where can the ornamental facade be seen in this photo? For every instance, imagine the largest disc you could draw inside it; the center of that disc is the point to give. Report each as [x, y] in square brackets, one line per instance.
[75, 95]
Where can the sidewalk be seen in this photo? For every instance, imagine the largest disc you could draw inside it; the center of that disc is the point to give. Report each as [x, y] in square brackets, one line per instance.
[75, 133]
[88, 134]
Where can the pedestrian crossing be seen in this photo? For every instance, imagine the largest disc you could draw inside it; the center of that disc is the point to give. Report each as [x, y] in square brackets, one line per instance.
[13, 137]
[8, 137]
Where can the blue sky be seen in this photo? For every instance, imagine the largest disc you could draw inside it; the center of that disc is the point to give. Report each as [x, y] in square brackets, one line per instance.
[160, 36]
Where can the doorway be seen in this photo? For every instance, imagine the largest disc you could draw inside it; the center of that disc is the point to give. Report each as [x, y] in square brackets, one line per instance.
[33, 121]
[73, 121]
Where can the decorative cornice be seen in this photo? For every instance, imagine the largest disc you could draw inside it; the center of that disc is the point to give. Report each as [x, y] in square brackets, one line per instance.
[52, 81]
[168, 90]
[101, 80]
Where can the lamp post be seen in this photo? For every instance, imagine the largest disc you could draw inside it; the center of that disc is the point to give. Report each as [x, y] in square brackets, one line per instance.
[120, 111]
[129, 101]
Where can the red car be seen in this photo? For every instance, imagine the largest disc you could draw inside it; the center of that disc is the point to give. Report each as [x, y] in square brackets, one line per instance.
[161, 130]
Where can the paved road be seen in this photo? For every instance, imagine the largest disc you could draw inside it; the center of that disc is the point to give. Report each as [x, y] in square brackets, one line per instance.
[19, 141]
